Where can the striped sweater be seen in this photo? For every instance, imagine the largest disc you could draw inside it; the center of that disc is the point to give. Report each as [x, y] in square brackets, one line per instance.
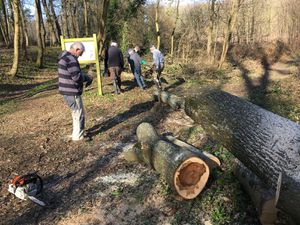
[70, 80]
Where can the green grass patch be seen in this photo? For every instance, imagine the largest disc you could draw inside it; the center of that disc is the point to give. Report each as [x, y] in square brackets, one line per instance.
[48, 85]
[7, 106]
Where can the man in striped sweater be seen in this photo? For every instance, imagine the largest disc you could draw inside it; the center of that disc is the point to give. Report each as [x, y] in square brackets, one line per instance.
[70, 85]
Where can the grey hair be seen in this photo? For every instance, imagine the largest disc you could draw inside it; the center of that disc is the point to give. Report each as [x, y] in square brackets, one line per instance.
[114, 44]
[78, 45]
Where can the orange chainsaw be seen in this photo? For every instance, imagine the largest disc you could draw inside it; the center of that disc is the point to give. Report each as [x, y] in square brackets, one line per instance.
[27, 187]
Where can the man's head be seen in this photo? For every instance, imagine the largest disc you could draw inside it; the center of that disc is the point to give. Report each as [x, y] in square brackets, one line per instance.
[77, 49]
[113, 43]
[152, 48]
[130, 51]
[136, 48]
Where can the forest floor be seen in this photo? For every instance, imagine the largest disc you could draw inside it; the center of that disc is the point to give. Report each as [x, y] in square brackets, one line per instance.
[90, 182]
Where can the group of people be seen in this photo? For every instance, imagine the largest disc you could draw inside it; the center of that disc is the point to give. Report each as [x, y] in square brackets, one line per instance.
[114, 63]
[72, 78]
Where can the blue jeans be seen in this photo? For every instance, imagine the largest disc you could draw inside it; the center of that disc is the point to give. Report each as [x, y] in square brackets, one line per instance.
[76, 106]
[139, 79]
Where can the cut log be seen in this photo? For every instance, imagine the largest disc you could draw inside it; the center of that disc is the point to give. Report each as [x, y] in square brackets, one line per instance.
[211, 160]
[183, 170]
[268, 144]
[262, 196]
[172, 100]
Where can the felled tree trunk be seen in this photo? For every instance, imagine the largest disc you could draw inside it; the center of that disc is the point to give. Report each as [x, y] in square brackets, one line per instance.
[183, 170]
[211, 160]
[268, 144]
[262, 196]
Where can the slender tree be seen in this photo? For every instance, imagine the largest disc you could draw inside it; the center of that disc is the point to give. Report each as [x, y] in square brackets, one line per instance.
[157, 24]
[51, 23]
[24, 26]
[24, 34]
[102, 24]
[54, 18]
[39, 60]
[173, 30]
[86, 25]
[76, 17]
[210, 30]
[14, 68]
[231, 23]
[71, 19]
[4, 28]
[64, 18]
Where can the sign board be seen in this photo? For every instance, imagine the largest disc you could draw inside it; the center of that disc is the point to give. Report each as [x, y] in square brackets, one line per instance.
[89, 56]
[89, 53]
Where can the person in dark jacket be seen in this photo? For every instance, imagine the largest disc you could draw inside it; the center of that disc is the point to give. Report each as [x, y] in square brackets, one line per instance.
[135, 65]
[115, 65]
[70, 85]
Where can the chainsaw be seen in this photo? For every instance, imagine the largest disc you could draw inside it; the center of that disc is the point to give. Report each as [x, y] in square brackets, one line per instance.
[27, 187]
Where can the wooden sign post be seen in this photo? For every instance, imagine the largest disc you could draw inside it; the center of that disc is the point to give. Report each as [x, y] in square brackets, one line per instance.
[89, 56]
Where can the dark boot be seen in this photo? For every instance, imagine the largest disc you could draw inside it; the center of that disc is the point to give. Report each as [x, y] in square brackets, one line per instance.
[116, 87]
[158, 84]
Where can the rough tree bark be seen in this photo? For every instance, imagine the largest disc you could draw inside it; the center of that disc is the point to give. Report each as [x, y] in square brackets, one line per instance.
[266, 143]
[183, 170]
[14, 68]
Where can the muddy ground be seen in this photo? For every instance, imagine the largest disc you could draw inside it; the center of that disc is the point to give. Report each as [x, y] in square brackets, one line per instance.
[90, 182]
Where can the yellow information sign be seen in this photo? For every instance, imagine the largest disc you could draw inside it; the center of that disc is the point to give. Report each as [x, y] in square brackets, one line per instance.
[89, 56]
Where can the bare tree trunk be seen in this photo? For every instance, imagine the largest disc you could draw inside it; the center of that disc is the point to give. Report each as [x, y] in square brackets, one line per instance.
[86, 25]
[44, 32]
[75, 19]
[229, 29]
[157, 25]
[210, 31]
[70, 19]
[39, 61]
[24, 42]
[102, 25]
[173, 31]
[4, 36]
[24, 25]
[5, 32]
[14, 68]
[51, 23]
[64, 18]
[55, 20]
[10, 17]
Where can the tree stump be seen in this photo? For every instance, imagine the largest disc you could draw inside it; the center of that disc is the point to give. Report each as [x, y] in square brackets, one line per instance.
[183, 170]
